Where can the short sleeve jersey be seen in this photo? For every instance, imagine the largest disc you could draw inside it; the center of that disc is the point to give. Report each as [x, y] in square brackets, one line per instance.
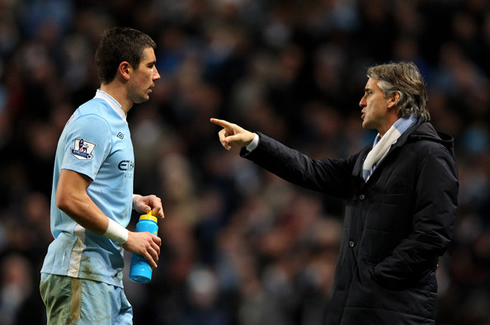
[95, 142]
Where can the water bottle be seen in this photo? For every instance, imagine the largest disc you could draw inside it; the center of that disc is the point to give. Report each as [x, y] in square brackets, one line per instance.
[140, 271]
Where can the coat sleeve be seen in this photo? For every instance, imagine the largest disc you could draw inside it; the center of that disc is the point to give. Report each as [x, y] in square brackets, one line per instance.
[435, 208]
[330, 176]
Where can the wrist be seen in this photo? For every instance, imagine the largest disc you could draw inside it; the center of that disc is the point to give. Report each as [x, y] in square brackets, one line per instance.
[116, 232]
[253, 144]
[134, 196]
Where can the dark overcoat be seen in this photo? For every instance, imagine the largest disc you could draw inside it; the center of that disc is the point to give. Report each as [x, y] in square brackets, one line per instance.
[396, 224]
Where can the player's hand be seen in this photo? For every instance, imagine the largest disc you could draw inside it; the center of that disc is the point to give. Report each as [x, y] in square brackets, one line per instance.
[232, 134]
[144, 244]
[143, 204]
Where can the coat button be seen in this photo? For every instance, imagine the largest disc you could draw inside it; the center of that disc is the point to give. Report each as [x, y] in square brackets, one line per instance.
[351, 243]
[362, 197]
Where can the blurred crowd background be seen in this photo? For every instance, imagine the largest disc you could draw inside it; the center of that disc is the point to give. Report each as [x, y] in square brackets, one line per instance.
[240, 246]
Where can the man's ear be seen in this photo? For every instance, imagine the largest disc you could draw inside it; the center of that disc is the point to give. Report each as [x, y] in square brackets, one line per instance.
[394, 98]
[124, 70]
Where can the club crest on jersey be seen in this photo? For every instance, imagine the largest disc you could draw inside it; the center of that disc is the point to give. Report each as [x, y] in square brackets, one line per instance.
[83, 149]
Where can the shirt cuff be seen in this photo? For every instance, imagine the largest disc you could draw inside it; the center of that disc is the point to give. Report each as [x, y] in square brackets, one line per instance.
[254, 144]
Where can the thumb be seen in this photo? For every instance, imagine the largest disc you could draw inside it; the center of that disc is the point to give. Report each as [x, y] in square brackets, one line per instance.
[144, 207]
[232, 138]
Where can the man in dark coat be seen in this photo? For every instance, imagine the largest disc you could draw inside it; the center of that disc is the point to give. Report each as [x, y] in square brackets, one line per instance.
[401, 200]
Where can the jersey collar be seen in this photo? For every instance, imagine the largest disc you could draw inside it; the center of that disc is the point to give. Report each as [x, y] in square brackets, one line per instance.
[112, 102]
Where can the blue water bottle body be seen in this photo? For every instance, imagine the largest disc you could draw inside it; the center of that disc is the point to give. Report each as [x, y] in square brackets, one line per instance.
[140, 271]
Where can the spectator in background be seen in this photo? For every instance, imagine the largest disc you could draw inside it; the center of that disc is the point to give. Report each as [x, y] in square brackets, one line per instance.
[92, 196]
[16, 288]
[401, 195]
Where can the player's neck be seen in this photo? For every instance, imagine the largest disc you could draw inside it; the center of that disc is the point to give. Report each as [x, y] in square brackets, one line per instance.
[119, 93]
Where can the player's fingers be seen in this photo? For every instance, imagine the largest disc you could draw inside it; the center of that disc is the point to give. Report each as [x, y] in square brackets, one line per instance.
[152, 254]
[152, 258]
[155, 251]
[157, 241]
[157, 211]
[156, 248]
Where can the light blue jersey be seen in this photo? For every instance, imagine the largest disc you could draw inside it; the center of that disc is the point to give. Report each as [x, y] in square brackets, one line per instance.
[95, 142]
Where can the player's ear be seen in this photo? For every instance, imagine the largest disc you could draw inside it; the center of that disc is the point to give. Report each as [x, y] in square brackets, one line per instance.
[124, 70]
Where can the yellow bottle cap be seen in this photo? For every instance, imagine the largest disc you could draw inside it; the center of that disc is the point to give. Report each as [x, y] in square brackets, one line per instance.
[148, 216]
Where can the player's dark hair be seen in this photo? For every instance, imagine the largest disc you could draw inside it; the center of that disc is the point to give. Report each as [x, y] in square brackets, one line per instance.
[117, 45]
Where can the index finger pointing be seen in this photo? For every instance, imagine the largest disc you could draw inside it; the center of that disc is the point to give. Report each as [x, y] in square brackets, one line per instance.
[219, 122]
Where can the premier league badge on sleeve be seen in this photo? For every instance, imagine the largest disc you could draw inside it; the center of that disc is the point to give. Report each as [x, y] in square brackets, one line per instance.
[83, 149]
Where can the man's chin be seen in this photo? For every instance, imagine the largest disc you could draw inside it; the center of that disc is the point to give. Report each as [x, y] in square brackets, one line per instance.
[142, 100]
[367, 124]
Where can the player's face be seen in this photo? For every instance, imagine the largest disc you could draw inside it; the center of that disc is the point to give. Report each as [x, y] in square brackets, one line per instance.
[375, 112]
[143, 78]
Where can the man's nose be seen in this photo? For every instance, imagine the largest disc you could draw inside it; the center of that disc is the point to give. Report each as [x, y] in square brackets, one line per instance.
[156, 76]
[362, 102]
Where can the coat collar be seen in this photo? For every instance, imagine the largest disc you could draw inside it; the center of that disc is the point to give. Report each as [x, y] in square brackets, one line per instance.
[426, 131]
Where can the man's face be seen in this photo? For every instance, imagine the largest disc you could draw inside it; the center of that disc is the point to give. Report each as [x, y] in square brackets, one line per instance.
[375, 108]
[143, 77]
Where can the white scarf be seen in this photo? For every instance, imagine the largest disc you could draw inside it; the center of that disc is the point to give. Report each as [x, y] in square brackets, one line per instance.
[382, 145]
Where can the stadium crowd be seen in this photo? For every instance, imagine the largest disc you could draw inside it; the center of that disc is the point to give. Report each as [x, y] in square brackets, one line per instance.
[240, 246]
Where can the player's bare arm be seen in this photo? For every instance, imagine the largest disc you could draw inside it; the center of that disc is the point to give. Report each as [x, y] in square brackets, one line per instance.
[72, 198]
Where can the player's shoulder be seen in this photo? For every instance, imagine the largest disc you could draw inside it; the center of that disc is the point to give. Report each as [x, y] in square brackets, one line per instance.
[93, 111]
[88, 119]
[95, 106]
